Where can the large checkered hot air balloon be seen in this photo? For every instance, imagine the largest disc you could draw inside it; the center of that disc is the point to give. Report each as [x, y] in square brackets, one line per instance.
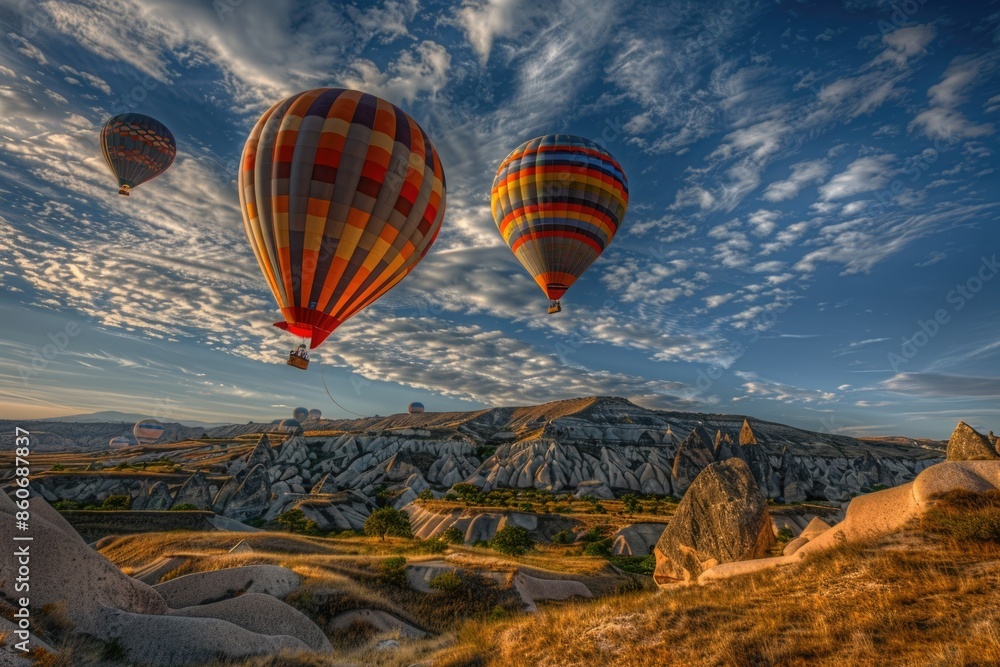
[342, 195]
[136, 148]
[558, 200]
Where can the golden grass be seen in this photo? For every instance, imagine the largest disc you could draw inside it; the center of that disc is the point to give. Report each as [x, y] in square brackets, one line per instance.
[854, 606]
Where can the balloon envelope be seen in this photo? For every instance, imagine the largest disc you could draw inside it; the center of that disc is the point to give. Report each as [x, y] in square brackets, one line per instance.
[315, 415]
[342, 195]
[136, 148]
[119, 442]
[147, 431]
[558, 200]
[300, 414]
[288, 426]
[415, 408]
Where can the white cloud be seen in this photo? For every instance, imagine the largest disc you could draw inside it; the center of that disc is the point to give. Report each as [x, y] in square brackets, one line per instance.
[758, 387]
[863, 175]
[803, 174]
[486, 20]
[413, 74]
[943, 120]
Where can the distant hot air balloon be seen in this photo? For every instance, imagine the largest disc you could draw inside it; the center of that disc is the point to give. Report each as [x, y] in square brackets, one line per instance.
[558, 200]
[119, 442]
[147, 431]
[136, 148]
[415, 408]
[288, 426]
[315, 415]
[300, 414]
[342, 195]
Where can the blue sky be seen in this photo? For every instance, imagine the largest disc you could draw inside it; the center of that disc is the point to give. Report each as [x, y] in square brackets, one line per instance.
[810, 237]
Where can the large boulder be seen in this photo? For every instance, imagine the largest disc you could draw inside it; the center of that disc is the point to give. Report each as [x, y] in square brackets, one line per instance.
[69, 574]
[693, 456]
[967, 444]
[263, 614]
[202, 588]
[722, 518]
[637, 539]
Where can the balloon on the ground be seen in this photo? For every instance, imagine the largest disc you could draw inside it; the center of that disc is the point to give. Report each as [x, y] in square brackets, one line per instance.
[315, 415]
[558, 200]
[300, 414]
[415, 408]
[342, 195]
[119, 442]
[136, 148]
[147, 431]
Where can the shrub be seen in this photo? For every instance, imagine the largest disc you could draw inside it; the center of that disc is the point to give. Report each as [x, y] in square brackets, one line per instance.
[117, 502]
[563, 537]
[392, 571]
[426, 494]
[388, 521]
[593, 535]
[453, 536]
[598, 508]
[447, 582]
[631, 503]
[635, 564]
[526, 507]
[434, 545]
[482, 544]
[183, 507]
[600, 548]
[785, 534]
[512, 541]
[57, 466]
[65, 505]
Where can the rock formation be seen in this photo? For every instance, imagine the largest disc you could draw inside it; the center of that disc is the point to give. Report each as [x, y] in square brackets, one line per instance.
[693, 456]
[967, 444]
[195, 492]
[99, 600]
[747, 436]
[722, 518]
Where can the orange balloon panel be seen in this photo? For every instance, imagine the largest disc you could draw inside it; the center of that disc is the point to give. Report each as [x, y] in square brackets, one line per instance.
[342, 196]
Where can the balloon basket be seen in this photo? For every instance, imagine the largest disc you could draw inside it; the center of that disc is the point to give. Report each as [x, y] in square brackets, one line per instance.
[297, 361]
[124, 190]
[554, 308]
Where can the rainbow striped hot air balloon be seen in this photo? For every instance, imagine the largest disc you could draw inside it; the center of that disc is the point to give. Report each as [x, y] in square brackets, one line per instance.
[558, 200]
[147, 431]
[342, 195]
[136, 148]
[119, 442]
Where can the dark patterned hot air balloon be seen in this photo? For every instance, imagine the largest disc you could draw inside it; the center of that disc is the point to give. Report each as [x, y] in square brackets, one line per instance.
[342, 195]
[147, 431]
[300, 414]
[415, 408]
[136, 148]
[558, 200]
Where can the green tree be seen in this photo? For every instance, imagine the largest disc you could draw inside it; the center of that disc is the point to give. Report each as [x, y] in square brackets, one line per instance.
[426, 494]
[453, 536]
[512, 540]
[388, 521]
[631, 504]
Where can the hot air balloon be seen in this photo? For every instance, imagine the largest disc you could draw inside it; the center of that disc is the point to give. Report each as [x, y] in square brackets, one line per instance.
[415, 408]
[288, 426]
[300, 414]
[147, 431]
[119, 442]
[558, 200]
[315, 415]
[342, 195]
[136, 148]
